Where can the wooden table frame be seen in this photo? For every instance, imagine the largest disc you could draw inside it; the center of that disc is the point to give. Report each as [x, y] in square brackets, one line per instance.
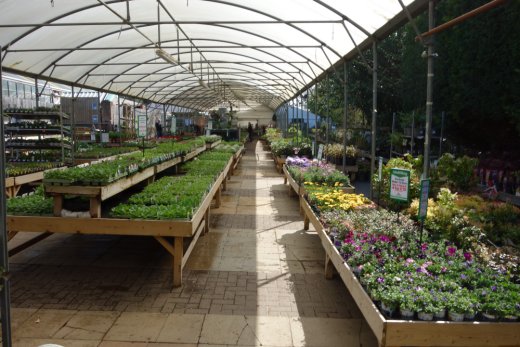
[400, 333]
[97, 194]
[13, 184]
[159, 229]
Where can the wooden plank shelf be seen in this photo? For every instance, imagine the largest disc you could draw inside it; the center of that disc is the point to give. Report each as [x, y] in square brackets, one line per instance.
[177, 229]
[13, 184]
[100, 193]
[404, 333]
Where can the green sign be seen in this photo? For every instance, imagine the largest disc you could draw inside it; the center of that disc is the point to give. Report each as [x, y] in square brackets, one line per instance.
[400, 185]
[423, 199]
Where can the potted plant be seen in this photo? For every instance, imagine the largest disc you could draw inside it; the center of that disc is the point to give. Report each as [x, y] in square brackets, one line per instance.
[426, 305]
[459, 302]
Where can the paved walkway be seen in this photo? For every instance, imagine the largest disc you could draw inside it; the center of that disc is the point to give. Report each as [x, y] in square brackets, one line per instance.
[255, 280]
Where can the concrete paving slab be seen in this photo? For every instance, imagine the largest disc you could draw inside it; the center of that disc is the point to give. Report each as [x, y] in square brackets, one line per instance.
[137, 326]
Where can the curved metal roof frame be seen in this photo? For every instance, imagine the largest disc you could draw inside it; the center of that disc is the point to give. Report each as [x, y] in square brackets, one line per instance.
[231, 41]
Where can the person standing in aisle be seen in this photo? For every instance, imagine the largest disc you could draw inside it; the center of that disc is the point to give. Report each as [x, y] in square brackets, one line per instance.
[158, 128]
[250, 131]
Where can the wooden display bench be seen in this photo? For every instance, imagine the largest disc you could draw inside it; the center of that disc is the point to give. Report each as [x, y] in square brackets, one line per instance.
[279, 161]
[13, 184]
[236, 159]
[295, 188]
[213, 144]
[159, 229]
[97, 194]
[401, 333]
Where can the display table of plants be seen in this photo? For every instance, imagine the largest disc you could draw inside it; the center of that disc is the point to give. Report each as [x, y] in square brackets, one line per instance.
[88, 153]
[301, 172]
[234, 147]
[20, 173]
[414, 288]
[173, 206]
[284, 147]
[104, 179]
[212, 141]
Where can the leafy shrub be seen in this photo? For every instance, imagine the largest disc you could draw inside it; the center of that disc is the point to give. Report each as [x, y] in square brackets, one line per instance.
[455, 173]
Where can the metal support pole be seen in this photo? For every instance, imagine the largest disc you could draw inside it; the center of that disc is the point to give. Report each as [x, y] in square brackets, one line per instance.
[307, 110]
[316, 120]
[146, 116]
[345, 114]
[327, 111]
[442, 134]
[374, 116]
[392, 136]
[5, 303]
[413, 133]
[429, 94]
[73, 123]
[37, 92]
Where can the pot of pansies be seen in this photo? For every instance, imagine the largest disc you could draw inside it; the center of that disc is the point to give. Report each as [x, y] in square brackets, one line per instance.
[459, 302]
[390, 298]
[427, 306]
[408, 305]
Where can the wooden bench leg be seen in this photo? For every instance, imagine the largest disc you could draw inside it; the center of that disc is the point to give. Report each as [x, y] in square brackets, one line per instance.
[224, 183]
[329, 268]
[305, 222]
[206, 221]
[58, 204]
[177, 262]
[284, 179]
[95, 207]
[218, 197]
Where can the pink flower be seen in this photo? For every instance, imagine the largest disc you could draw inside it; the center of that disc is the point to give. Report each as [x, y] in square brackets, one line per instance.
[409, 261]
[468, 256]
[424, 247]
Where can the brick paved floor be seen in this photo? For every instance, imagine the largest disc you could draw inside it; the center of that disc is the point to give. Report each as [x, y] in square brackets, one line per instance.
[256, 268]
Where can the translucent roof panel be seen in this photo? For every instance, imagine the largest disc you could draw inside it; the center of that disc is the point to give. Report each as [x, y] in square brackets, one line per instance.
[197, 53]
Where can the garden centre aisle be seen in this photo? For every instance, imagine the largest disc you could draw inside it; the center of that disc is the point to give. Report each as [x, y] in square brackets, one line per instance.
[255, 280]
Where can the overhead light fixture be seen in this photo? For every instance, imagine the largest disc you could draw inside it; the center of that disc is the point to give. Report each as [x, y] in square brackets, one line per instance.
[167, 57]
[203, 84]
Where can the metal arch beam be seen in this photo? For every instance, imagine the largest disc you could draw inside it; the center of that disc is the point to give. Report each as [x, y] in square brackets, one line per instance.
[122, 53]
[277, 19]
[53, 20]
[271, 40]
[147, 75]
[345, 18]
[176, 22]
[57, 49]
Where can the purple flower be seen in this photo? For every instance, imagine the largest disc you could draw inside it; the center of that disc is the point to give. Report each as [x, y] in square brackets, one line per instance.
[424, 247]
[462, 276]
[451, 251]
[494, 288]
[468, 256]
[380, 280]
[444, 269]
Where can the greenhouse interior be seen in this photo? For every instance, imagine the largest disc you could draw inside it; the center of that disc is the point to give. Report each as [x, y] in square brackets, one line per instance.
[298, 173]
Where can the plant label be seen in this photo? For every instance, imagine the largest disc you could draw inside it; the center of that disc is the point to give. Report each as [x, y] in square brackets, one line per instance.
[400, 185]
